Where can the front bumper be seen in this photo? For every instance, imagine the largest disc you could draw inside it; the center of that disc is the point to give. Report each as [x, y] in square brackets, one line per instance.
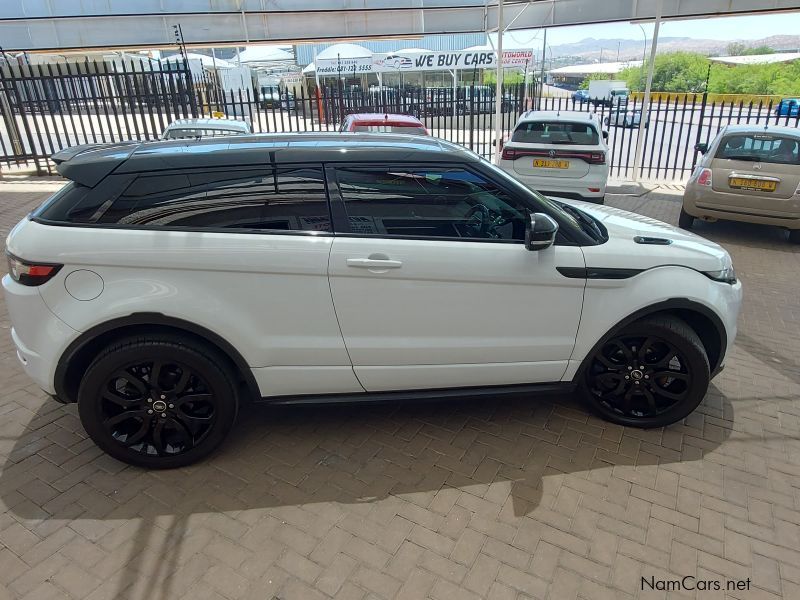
[38, 335]
[728, 303]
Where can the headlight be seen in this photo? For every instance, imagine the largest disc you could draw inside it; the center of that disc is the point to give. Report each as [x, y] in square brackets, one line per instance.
[727, 275]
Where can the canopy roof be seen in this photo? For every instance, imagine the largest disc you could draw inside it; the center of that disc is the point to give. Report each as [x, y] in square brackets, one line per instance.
[40, 26]
[255, 54]
[345, 51]
[209, 62]
[757, 59]
[609, 68]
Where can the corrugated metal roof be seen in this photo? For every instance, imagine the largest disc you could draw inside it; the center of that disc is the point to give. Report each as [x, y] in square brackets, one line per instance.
[757, 59]
[590, 69]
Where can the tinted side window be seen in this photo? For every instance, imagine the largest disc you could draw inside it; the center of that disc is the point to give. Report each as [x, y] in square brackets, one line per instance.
[286, 198]
[73, 203]
[429, 202]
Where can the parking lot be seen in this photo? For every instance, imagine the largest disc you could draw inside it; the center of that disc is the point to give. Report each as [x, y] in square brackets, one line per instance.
[530, 498]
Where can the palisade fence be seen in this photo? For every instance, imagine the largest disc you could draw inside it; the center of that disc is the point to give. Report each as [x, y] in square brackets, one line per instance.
[45, 108]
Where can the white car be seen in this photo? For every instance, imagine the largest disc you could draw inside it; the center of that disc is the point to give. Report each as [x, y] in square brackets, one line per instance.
[190, 129]
[559, 153]
[170, 282]
[626, 117]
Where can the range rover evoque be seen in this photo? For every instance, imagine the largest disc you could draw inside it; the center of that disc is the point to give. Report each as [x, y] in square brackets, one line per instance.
[169, 282]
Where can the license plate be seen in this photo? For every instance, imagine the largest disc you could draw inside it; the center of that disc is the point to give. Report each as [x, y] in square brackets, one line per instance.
[550, 164]
[755, 185]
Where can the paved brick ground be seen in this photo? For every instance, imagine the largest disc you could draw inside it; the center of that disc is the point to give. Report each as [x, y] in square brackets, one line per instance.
[523, 499]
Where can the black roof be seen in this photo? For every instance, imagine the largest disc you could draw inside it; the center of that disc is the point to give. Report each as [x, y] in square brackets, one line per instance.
[90, 163]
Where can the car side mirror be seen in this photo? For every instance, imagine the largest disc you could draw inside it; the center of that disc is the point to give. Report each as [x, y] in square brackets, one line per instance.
[702, 147]
[540, 231]
[605, 135]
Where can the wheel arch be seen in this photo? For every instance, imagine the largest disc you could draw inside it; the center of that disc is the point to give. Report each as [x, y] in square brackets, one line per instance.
[705, 322]
[80, 353]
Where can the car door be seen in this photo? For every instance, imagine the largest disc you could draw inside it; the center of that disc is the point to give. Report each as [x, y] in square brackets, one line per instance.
[432, 284]
[240, 251]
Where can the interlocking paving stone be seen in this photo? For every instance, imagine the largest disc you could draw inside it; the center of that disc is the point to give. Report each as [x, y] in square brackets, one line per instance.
[525, 498]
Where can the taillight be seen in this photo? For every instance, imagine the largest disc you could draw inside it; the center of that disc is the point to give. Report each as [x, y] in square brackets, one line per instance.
[597, 158]
[31, 274]
[704, 178]
[509, 153]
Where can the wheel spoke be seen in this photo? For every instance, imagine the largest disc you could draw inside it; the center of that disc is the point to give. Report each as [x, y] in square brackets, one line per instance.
[155, 374]
[642, 353]
[624, 349]
[181, 384]
[651, 401]
[626, 402]
[606, 362]
[664, 362]
[139, 435]
[134, 380]
[615, 379]
[674, 374]
[676, 396]
[183, 432]
[198, 398]
[158, 438]
[124, 416]
[193, 423]
[119, 399]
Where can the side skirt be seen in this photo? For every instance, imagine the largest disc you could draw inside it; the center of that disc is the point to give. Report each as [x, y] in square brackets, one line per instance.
[504, 391]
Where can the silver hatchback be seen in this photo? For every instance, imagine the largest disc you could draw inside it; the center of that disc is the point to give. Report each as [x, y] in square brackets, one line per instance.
[748, 173]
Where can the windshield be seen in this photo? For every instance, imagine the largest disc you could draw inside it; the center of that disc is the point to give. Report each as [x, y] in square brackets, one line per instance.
[190, 134]
[556, 132]
[407, 129]
[577, 219]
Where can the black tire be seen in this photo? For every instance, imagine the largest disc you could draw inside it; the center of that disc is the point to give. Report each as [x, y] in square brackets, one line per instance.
[177, 420]
[668, 384]
[685, 220]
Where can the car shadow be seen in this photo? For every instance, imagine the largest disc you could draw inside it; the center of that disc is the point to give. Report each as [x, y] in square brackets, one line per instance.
[376, 461]
[751, 235]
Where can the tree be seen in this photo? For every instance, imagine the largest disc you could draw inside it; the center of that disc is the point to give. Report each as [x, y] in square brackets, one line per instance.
[736, 49]
[740, 49]
[593, 77]
[687, 72]
[673, 72]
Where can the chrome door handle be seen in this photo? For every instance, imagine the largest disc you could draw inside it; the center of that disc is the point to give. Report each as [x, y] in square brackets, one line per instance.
[374, 263]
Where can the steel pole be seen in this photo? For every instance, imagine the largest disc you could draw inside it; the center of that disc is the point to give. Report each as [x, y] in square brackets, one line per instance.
[637, 159]
[541, 75]
[498, 95]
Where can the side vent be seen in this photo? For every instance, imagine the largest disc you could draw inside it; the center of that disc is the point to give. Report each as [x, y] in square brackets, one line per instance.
[652, 241]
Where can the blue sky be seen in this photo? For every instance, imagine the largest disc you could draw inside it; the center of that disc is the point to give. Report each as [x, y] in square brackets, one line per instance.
[724, 28]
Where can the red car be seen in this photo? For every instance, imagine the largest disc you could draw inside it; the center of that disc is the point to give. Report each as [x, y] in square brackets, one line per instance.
[384, 123]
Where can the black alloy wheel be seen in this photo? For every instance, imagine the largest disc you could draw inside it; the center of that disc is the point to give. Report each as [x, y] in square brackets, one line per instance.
[157, 403]
[652, 373]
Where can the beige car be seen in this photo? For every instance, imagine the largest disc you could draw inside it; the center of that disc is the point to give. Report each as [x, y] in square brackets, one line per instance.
[748, 173]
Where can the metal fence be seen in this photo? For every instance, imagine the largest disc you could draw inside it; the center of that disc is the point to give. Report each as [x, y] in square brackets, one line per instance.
[45, 108]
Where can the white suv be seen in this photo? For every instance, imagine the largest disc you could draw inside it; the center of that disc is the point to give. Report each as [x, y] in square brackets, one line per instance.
[559, 153]
[169, 282]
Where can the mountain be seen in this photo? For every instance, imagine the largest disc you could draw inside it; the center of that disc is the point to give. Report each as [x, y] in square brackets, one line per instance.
[607, 50]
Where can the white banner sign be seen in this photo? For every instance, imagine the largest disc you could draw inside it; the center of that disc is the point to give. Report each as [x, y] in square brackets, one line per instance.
[427, 61]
